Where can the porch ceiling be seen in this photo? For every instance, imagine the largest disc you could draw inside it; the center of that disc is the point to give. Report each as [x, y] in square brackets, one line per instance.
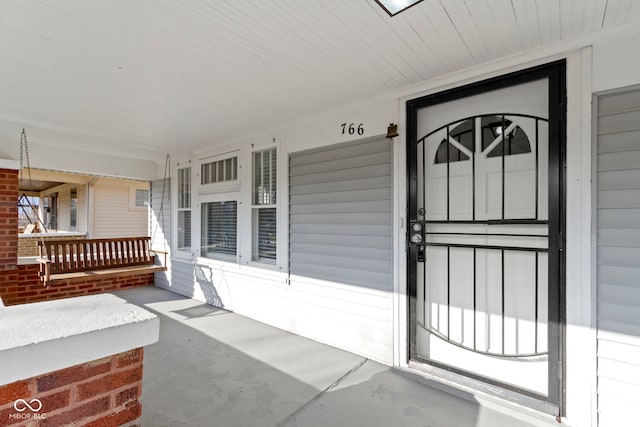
[37, 186]
[146, 77]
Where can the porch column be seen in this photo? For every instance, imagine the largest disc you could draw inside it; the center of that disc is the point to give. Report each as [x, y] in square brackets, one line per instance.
[8, 223]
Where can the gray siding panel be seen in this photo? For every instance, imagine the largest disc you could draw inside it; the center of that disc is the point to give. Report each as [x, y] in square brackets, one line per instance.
[616, 275]
[350, 218]
[626, 218]
[618, 257]
[619, 160]
[614, 142]
[342, 196]
[337, 240]
[160, 223]
[381, 182]
[620, 295]
[339, 229]
[620, 103]
[339, 251]
[370, 206]
[618, 199]
[621, 122]
[620, 236]
[340, 214]
[618, 180]
[352, 172]
[343, 152]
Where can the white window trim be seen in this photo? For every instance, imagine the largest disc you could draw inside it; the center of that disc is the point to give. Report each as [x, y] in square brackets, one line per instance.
[132, 199]
[177, 253]
[281, 205]
[187, 250]
[256, 207]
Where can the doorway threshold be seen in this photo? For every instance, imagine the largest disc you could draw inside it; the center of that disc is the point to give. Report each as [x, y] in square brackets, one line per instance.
[511, 403]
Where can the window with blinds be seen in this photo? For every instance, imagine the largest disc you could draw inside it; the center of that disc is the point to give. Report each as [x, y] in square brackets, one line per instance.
[219, 171]
[142, 197]
[264, 210]
[184, 230]
[219, 229]
[184, 209]
[264, 177]
[184, 188]
[264, 234]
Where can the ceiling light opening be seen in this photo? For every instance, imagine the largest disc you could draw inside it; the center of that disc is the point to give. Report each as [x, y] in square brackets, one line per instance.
[393, 7]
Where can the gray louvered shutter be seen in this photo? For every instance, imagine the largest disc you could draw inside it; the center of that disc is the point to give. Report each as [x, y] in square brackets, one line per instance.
[160, 213]
[618, 266]
[340, 213]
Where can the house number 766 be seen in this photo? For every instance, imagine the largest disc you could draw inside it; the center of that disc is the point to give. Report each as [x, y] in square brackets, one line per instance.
[351, 128]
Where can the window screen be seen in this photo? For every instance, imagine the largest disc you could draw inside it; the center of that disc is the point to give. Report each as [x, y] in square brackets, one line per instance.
[219, 229]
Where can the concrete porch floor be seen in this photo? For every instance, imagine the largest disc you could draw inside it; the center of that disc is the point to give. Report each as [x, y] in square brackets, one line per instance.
[212, 367]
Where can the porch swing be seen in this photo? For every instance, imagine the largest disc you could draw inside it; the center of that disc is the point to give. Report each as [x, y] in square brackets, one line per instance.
[63, 261]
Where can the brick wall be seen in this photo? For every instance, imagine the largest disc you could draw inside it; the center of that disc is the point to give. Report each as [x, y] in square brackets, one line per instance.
[101, 393]
[28, 245]
[8, 220]
[26, 286]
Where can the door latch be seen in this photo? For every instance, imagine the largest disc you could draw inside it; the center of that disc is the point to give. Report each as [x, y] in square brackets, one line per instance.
[415, 233]
[416, 237]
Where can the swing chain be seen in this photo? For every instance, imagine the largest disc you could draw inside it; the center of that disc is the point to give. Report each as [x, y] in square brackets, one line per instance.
[24, 155]
[160, 219]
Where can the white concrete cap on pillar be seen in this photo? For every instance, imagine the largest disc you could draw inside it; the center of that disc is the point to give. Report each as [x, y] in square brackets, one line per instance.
[9, 164]
[42, 337]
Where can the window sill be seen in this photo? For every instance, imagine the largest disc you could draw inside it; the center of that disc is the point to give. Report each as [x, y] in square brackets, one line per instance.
[264, 265]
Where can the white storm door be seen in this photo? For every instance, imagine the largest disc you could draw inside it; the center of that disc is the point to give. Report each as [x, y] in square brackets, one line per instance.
[480, 231]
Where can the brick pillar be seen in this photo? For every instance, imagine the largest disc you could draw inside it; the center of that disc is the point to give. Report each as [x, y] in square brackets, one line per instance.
[100, 393]
[8, 229]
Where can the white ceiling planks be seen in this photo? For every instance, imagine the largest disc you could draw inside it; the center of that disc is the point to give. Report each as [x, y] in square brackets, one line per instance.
[487, 28]
[620, 11]
[572, 17]
[548, 17]
[168, 75]
[418, 29]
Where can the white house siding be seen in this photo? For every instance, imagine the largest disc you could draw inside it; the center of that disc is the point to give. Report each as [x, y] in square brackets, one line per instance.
[345, 316]
[114, 210]
[618, 257]
[64, 209]
[64, 205]
[82, 207]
